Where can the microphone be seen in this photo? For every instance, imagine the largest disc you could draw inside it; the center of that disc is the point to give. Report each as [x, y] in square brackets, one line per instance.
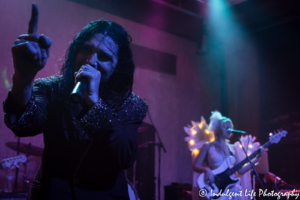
[236, 131]
[77, 94]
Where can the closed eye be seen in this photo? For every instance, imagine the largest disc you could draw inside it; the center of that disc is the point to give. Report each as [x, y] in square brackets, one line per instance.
[104, 57]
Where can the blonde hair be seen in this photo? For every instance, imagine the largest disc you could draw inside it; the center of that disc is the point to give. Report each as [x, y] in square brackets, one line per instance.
[216, 123]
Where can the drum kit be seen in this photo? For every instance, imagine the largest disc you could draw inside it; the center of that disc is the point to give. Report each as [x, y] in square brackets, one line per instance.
[29, 149]
[271, 183]
[9, 163]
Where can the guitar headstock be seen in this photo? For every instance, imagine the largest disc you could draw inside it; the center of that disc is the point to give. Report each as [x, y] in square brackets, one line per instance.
[13, 161]
[276, 137]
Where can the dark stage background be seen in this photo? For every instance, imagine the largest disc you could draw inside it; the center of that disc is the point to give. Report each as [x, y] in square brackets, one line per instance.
[279, 56]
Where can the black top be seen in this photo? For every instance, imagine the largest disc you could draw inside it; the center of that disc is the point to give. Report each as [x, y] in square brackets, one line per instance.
[91, 151]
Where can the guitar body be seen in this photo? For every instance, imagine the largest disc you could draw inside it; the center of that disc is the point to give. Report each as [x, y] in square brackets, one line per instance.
[222, 181]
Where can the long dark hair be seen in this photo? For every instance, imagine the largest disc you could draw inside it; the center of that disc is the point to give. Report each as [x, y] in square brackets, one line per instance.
[119, 85]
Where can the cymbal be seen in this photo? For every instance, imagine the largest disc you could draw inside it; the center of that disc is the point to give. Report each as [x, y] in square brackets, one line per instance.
[28, 149]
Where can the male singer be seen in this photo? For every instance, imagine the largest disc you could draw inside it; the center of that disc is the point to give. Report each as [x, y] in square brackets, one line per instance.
[87, 145]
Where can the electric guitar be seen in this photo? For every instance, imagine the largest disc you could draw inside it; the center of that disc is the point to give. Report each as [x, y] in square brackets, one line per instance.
[12, 162]
[223, 174]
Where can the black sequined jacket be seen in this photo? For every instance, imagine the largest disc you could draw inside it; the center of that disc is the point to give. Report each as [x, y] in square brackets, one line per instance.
[92, 151]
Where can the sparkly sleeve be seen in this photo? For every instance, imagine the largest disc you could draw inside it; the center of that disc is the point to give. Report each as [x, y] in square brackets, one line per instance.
[124, 143]
[116, 131]
[30, 123]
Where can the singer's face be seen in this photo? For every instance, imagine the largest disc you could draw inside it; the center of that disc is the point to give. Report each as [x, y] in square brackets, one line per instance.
[101, 53]
[225, 127]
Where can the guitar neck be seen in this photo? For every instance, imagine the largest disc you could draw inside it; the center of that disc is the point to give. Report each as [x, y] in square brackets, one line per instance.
[243, 162]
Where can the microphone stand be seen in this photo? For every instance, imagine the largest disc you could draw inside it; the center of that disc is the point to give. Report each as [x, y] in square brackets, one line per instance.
[160, 146]
[17, 169]
[251, 164]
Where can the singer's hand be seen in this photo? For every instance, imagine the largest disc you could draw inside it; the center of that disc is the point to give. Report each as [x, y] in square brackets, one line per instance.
[93, 76]
[209, 176]
[30, 51]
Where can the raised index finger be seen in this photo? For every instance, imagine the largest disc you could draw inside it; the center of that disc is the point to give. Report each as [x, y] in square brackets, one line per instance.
[33, 23]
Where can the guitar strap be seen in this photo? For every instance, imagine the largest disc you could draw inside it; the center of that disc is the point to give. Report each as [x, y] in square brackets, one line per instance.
[230, 150]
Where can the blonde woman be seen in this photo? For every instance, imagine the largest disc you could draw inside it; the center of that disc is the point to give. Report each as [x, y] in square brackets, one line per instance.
[214, 153]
